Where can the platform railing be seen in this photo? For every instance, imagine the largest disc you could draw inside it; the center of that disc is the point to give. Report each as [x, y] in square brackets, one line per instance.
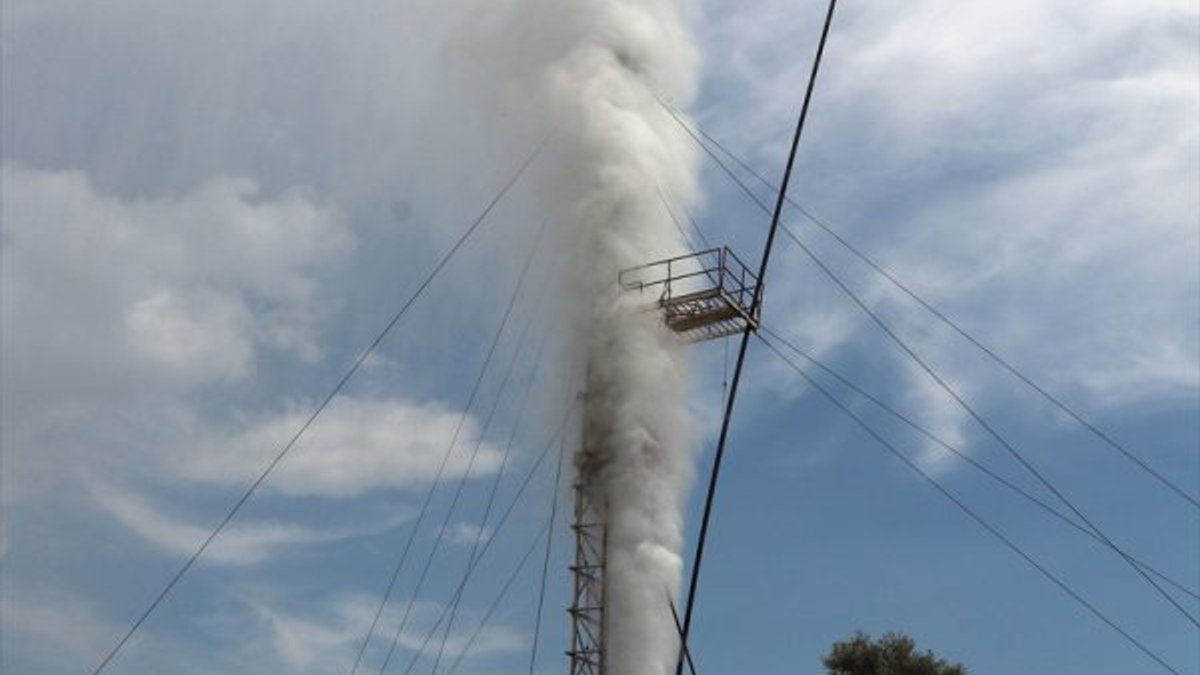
[714, 269]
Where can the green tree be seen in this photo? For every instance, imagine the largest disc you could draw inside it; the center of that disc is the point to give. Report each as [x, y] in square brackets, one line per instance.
[892, 654]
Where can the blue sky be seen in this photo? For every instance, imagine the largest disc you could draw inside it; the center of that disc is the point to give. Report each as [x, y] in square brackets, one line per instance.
[209, 208]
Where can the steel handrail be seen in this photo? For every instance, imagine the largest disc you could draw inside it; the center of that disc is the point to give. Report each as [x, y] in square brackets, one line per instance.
[729, 275]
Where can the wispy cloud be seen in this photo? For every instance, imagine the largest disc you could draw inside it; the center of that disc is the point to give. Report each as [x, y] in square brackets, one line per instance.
[1044, 197]
[937, 411]
[356, 446]
[323, 638]
[240, 544]
[56, 631]
[171, 293]
[468, 533]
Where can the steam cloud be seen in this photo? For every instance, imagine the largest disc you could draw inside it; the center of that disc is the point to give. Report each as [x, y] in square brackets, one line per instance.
[590, 71]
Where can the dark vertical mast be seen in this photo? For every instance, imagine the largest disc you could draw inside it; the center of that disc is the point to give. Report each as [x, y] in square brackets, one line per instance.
[749, 330]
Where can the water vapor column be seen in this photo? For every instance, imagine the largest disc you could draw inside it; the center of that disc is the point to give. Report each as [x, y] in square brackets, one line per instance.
[591, 70]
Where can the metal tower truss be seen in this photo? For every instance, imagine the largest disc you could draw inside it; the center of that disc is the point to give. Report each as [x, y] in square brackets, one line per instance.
[702, 296]
[587, 599]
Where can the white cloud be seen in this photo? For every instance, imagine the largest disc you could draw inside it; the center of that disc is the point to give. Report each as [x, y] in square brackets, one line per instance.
[106, 297]
[182, 333]
[354, 447]
[935, 410]
[55, 631]
[1029, 166]
[468, 533]
[492, 639]
[326, 640]
[303, 643]
[242, 543]
[326, 98]
[116, 313]
[1007, 166]
[161, 274]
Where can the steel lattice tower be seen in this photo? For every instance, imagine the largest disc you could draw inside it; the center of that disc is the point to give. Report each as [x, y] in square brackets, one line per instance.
[588, 594]
[701, 296]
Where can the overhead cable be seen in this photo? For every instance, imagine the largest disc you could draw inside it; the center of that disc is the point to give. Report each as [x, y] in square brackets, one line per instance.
[484, 521]
[467, 575]
[487, 616]
[755, 308]
[692, 248]
[941, 316]
[687, 653]
[462, 481]
[995, 532]
[679, 226]
[971, 461]
[983, 468]
[994, 433]
[437, 478]
[337, 388]
[518, 417]
[537, 624]
[929, 371]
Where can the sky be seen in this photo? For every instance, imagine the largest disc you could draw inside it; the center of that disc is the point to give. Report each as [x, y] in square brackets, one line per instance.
[211, 208]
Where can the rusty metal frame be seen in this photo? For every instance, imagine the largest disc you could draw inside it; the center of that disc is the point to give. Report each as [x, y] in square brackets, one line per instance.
[588, 595]
[703, 296]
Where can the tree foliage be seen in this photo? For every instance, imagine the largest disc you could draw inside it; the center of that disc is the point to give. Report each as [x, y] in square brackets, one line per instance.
[892, 654]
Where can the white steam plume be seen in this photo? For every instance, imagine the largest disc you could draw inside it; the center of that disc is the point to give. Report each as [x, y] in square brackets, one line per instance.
[590, 70]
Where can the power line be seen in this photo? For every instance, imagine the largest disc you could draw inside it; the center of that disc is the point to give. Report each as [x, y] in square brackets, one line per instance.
[939, 315]
[711, 275]
[462, 481]
[428, 498]
[1062, 585]
[337, 388]
[925, 432]
[491, 499]
[729, 173]
[679, 226]
[695, 226]
[912, 355]
[991, 431]
[483, 521]
[687, 239]
[545, 532]
[687, 653]
[440, 536]
[537, 625]
[974, 463]
[741, 358]
[499, 528]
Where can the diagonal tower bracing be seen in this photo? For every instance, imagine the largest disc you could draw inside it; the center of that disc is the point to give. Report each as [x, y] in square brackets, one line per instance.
[701, 296]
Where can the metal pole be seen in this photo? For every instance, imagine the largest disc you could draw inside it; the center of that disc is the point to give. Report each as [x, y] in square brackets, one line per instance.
[741, 358]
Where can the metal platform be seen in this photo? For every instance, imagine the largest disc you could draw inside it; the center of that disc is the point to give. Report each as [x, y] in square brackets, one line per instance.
[703, 296]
